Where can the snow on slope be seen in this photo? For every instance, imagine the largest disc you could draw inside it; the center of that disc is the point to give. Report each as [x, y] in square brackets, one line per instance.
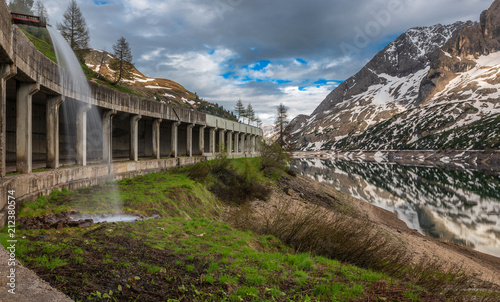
[388, 85]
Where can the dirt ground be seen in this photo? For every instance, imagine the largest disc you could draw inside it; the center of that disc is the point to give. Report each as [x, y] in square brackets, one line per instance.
[302, 190]
[28, 286]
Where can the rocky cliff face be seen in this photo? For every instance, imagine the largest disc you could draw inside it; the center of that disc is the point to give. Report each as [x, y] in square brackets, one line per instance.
[423, 68]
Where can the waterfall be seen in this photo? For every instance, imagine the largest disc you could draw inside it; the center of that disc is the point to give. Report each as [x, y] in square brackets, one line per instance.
[74, 82]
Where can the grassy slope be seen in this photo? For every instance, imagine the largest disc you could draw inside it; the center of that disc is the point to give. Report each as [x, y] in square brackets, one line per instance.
[42, 46]
[188, 254]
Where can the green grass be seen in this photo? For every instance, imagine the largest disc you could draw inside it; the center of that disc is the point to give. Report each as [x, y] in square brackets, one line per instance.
[46, 48]
[189, 254]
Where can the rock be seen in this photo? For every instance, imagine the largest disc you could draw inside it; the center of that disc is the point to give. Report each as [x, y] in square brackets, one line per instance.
[86, 223]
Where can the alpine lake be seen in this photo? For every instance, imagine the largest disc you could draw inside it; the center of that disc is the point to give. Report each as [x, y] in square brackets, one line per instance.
[455, 205]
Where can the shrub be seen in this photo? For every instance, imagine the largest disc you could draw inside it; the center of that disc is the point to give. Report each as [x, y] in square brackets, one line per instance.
[274, 160]
[352, 240]
[200, 172]
[229, 183]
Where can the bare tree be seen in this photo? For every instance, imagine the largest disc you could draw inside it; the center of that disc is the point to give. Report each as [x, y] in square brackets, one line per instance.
[281, 126]
[74, 29]
[122, 63]
[104, 54]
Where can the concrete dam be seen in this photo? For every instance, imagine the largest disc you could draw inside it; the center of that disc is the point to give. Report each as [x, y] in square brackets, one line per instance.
[43, 149]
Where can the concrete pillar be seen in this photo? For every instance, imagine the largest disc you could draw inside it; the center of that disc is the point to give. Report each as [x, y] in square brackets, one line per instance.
[229, 142]
[237, 143]
[242, 144]
[241, 138]
[24, 125]
[134, 137]
[221, 140]
[201, 141]
[174, 140]
[253, 144]
[107, 136]
[156, 138]
[189, 140]
[81, 134]
[53, 104]
[6, 72]
[212, 140]
[250, 144]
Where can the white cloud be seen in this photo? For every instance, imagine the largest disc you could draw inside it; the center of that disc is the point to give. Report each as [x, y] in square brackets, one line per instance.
[172, 39]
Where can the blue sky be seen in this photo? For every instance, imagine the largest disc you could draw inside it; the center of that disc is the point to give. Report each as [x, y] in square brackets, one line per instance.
[262, 52]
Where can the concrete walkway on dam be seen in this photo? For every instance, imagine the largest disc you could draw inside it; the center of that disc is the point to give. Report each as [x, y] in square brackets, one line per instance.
[72, 141]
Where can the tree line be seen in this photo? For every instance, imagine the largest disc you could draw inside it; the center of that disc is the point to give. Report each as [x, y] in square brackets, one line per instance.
[246, 113]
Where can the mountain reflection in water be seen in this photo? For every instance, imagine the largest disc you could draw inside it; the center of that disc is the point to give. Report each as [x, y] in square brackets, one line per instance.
[461, 206]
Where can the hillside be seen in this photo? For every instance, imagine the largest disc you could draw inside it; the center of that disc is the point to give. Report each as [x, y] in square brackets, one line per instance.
[433, 87]
[162, 90]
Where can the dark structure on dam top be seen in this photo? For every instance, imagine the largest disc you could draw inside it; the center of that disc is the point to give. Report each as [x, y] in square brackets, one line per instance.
[35, 132]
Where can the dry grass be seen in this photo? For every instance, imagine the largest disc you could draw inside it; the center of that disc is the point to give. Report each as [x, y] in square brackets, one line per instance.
[353, 240]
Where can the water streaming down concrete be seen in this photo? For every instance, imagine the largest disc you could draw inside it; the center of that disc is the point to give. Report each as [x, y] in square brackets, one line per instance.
[75, 150]
[87, 117]
[140, 136]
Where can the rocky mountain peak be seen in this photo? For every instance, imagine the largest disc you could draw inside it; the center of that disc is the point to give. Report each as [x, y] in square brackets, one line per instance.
[490, 21]
[460, 53]
[387, 85]
[446, 73]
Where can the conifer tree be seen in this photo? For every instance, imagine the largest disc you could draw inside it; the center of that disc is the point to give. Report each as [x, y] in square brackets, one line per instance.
[122, 63]
[250, 113]
[21, 6]
[239, 109]
[40, 10]
[74, 30]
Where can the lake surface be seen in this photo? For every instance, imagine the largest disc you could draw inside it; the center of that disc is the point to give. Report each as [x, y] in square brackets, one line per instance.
[460, 206]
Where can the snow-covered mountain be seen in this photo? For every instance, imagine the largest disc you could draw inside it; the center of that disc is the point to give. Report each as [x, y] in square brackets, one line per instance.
[431, 83]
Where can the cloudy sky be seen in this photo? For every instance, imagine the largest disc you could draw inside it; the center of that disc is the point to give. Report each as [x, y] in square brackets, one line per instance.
[264, 52]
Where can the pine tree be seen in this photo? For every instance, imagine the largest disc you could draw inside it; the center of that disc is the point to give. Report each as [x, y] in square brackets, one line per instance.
[41, 11]
[239, 109]
[122, 63]
[250, 113]
[21, 6]
[74, 29]
[258, 121]
[281, 127]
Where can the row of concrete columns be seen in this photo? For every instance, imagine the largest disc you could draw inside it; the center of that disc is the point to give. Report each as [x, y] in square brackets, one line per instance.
[235, 143]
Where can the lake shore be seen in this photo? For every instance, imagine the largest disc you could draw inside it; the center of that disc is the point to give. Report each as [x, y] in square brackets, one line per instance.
[470, 159]
[303, 191]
